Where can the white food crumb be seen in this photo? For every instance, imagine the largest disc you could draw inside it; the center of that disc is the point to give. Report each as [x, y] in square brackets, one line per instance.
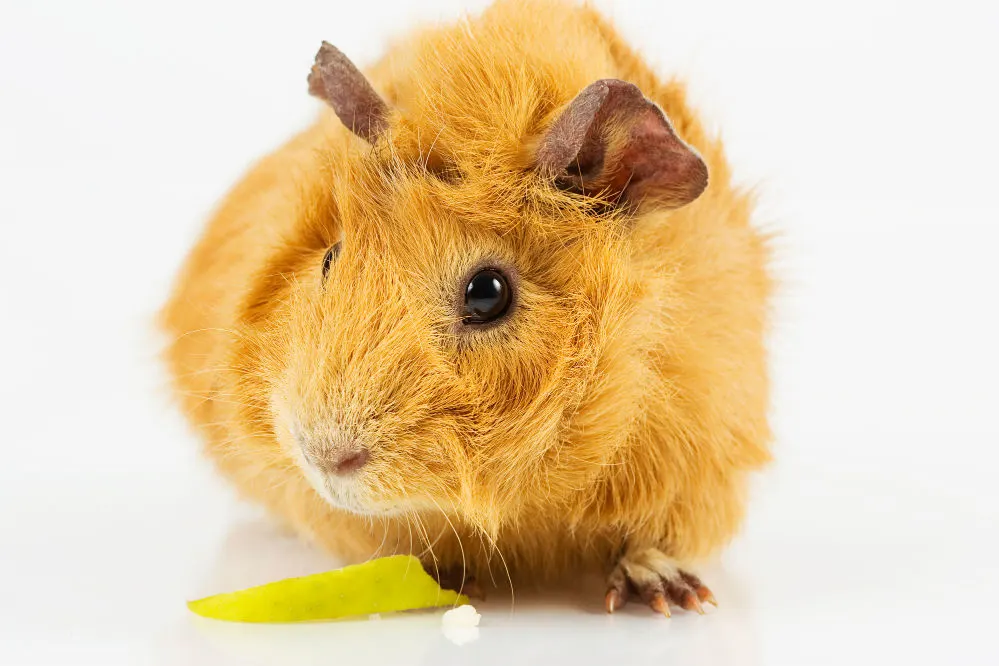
[462, 616]
[461, 625]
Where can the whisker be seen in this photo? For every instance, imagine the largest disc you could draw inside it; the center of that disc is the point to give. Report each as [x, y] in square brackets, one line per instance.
[461, 547]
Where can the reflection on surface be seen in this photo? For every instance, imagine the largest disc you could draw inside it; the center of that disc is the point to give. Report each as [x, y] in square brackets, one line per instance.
[460, 635]
[560, 626]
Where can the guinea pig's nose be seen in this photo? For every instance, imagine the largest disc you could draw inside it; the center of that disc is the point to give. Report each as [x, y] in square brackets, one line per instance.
[348, 462]
[339, 458]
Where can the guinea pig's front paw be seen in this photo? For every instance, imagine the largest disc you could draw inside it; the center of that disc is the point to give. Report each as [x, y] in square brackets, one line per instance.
[455, 578]
[657, 580]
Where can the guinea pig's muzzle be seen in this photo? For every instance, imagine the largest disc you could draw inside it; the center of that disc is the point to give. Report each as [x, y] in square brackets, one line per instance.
[334, 453]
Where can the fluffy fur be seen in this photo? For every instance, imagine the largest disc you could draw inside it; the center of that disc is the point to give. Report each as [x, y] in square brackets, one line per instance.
[624, 401]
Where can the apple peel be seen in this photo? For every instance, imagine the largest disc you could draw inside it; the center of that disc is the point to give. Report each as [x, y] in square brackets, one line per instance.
[382, 585]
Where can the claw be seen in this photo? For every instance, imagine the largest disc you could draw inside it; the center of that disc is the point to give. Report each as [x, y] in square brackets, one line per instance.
[707, 596]
[614, 600]
[659, 604]
[690, 602]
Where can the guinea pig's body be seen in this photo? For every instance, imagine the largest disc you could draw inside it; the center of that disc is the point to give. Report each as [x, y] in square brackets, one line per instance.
[608, 416]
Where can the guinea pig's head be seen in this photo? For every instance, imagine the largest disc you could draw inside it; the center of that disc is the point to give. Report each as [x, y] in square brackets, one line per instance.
[450, 330]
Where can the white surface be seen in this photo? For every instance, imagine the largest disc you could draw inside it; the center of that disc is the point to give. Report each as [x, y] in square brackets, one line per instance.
[871, 128]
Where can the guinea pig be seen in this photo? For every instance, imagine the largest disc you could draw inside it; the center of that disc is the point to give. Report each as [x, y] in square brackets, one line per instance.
[500, 307]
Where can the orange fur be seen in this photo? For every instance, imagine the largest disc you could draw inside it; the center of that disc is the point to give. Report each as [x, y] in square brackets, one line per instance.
[626, 398]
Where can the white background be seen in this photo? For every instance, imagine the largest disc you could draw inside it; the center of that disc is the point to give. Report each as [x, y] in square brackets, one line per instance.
[870, 129]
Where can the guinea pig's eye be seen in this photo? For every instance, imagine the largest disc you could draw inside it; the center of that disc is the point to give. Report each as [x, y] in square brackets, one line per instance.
[487, 297]
[331, 254]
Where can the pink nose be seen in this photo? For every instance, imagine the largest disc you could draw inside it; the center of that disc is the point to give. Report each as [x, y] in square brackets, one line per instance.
[338, 461]
[349, 462]
[339, 458]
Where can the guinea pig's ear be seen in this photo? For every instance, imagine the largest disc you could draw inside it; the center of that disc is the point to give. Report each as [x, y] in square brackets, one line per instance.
[611, 141]
[335, 80]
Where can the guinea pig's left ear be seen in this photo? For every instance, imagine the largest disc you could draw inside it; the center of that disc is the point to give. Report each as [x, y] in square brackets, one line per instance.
[335, 80]
[613, 142]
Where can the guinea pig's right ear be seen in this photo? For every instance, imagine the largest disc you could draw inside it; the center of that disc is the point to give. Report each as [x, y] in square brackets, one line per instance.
[611, 141]
[335, 80]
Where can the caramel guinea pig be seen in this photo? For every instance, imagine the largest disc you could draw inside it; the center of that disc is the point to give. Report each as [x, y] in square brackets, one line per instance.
[500, 307]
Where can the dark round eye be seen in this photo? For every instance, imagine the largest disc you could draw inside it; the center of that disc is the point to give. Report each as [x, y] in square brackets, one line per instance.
[487, 297]
[331, 254]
